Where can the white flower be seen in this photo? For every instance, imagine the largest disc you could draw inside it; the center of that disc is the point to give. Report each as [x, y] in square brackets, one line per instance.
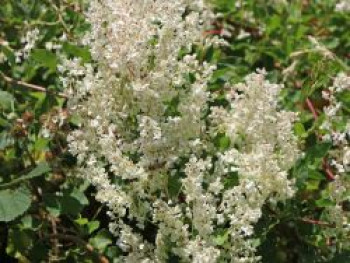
[145, 144]
[343, 6]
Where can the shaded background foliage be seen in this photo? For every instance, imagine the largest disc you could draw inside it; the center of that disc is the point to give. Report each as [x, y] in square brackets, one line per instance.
[47, 216]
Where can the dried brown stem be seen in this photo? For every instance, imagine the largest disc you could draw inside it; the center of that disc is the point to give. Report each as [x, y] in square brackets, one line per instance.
[28, 85]
[54, 240]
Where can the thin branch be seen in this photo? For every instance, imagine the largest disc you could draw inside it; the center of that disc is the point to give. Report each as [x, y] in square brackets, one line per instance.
[14, 182]
[328, 170]
[25, 176]
[213, 32]
[55, 241]
[59, 12]
[316, 222]
[29, 85]
[323, 51]
[325, 166]
[312, 108]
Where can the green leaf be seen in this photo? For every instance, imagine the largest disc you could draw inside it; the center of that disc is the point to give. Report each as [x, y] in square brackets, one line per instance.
[174, 185]
[30, 222]
[79, 196]
[222, 142]
[343, 257]
[9, 55]
[345, 98]
[41, 169]
[312, 184]
[231, 180]
[20, 241]
[75, 120]
[5, 140]
[52, 204]
[319, 150]
[315, 175]
[101, 240]
[41, 144]
[324, 202]
[6, 100]
[93, 225]
[81, 221]
[14, 203]
[67, 203]
[4, 123]
[221, 239]
[45, 58]
[299, 129]
[77, 51]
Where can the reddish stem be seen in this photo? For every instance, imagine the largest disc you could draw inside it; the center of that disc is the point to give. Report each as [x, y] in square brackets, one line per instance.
[316, 222]
[312, 108]
[327, 169]
[213, 32]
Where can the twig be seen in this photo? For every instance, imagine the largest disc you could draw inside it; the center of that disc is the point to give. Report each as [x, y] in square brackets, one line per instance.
[44, 23]
[55, 242]
[213, 32]
[324, 52]
[312, 108]
[328, 170]
[29, 85]
[14, 182]
[59, 11]
[23, 177]
[316, 222]
[325, 166]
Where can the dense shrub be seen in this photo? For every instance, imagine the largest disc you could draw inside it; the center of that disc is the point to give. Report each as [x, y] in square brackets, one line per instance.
[176, 131]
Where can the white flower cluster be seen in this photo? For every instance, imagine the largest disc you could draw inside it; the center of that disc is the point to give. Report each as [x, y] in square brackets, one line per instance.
[266, 149]
[146, 144]
[3, 57]
[336, 125]
[29, 41]
[343, 6]
[336, 128]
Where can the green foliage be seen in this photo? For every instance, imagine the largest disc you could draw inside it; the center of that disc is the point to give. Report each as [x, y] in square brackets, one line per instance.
[278, 38]
[14, 203]
[40, 207]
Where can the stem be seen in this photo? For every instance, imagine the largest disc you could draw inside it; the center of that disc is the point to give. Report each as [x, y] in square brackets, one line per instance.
[23, 177]
[326, 168]
[312, 108]
[333, 56]
[213, 32]
[55, 242]
[28, 85]
[14, 182]
[316, 222]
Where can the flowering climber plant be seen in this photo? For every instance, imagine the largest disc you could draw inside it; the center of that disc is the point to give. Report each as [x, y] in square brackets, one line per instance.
[336, 131]
[146, 139]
